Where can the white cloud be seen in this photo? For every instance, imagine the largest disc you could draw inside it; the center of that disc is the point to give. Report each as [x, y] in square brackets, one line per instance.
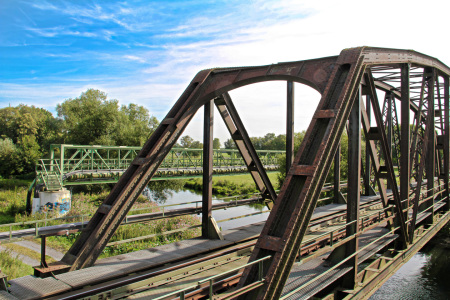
[134, 58]
[271, 32]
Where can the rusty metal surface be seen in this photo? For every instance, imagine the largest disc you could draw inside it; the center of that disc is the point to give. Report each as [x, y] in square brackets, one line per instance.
[296, 201]
[338, 79]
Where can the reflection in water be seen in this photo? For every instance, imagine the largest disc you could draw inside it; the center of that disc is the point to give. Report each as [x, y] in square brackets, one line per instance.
[425, 276]
[183, 196]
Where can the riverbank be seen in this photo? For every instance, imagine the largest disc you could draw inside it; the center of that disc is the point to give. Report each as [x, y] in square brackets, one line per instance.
[231, 185]
[12, 210]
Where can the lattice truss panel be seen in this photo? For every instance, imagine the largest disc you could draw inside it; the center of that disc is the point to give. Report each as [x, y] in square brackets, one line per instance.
[355, 86]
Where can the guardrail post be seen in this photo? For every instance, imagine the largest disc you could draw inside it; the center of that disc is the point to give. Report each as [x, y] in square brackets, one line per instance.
[211, 293]
[43, 246]
[260, 270]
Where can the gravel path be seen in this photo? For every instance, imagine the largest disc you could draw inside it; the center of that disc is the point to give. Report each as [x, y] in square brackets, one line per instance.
[36, 247]
[25, 259]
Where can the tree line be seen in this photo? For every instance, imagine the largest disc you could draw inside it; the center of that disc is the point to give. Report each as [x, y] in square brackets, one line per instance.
[26, 132]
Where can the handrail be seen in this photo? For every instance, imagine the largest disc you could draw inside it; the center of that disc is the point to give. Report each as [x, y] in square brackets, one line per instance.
[183, 291]
[79, 158]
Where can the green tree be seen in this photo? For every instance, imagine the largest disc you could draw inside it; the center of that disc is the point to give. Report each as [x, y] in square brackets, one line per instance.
[89, 119]
[196, 145]
[92, 119]
[8, 154]
[216, 143]
[134, 125]
[16, 122]
[229, 144]
[31, 130]
[186, 141]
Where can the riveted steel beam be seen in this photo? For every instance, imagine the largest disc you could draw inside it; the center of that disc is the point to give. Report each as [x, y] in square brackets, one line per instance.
[242, 140]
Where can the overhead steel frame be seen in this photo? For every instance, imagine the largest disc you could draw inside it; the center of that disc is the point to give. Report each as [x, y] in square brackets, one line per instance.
[342, 81]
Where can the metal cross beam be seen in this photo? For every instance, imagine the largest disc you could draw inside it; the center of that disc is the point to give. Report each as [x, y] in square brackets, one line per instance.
[339, 80]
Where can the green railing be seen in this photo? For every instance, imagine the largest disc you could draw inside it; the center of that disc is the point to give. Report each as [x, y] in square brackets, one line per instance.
[79, 164]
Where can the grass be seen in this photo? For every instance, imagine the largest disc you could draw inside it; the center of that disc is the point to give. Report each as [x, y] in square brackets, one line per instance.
[27, 252]
[231, 185]
[12, 209]
[12, 266]
[12, 202]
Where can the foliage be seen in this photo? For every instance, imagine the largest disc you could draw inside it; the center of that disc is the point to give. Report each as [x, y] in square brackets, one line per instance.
[231, 185]
[8, 154]
[25, 132]
[12, 199]
[92, 119]
[20, 121]
[186, 141]
[229, 144]
[13, 266]
[216, 143]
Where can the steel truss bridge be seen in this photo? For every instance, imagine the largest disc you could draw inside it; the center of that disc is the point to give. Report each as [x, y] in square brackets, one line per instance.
[397, 190]
[82, 164]
[70, 165]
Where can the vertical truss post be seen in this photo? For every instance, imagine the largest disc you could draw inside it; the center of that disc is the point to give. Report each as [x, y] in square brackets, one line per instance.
[404, 159]
[290, 125]
[353, 193]
[338, 196]
[209, 227]
[353, 197]
[389, 98]
[368, 190]
[431, 149]
[446, 139]
[240, 136]
[286, 226]
[337, 175]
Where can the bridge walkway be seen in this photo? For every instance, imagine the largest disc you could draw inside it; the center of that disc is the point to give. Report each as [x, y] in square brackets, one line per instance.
[229, 253]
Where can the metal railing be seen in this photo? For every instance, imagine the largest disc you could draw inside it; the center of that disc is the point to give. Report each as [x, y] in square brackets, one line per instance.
[78, 164]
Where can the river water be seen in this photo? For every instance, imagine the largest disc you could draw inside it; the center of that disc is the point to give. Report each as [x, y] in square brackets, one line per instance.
[425, 276]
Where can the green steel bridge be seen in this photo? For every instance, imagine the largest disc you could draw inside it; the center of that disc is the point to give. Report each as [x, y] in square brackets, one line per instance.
[82, 164]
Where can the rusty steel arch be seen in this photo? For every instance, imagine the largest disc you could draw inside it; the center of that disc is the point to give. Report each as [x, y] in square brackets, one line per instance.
[342, 81]
[207, 85]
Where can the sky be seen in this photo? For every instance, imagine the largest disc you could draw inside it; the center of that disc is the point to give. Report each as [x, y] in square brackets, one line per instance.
[146, 52]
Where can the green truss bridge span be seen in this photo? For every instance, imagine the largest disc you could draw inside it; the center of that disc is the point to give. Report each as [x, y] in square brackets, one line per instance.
[81, 164]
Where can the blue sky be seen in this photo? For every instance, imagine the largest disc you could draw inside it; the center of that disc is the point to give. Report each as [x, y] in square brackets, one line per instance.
[146, 52]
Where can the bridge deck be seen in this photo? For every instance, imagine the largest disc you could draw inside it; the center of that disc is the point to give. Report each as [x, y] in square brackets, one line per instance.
[31, 287]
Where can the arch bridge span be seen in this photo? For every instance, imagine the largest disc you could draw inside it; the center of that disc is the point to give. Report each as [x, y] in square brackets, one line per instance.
[372, 94]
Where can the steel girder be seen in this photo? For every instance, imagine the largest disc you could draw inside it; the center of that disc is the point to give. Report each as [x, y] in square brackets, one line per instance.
[282, 235]
[206, 85]
[340, 80]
